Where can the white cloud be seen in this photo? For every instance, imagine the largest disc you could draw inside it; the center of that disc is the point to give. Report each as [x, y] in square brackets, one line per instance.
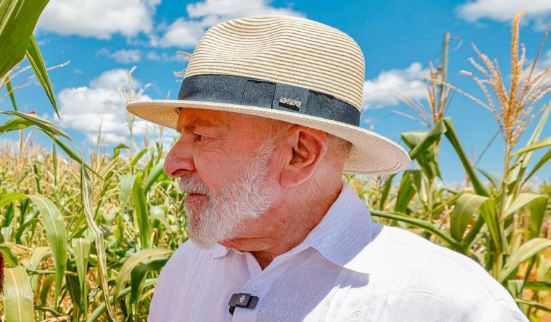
[181, 33]
[545, 60]
[123, 56]
[130, 56]
[98, 18]
[544, 63]
[163, 57]
[392, 85]
[100, 105]
[504, 10]
[227, 9]
[201, 15]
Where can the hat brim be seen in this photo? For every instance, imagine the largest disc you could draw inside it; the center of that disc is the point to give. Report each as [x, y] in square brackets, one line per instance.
[371, 153]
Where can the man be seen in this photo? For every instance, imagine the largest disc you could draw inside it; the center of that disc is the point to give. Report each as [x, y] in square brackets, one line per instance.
[268, 114]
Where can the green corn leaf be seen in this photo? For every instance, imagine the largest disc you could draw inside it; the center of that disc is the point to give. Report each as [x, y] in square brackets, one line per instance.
[537, 305]
[27, 222]
[118, 148]
[494, 181]
[18, 295]
[137, 278]
[537, 204]
[425, 149]
[413, 138]
[533, 285]
[45, 289]
[34, 120]
[465, 208]
[10, 197]
[126, 182]
[39, 253]
[141, 212]
[427, 226]
[155, 173]
[408, 187]
[17, 21]
[9, 214]
[35, 59]
[81, 249]
[523, 253]
[144, 255]
[10, 260]
[537, 210]
[56, 234]
[541, 162]
[86, 191]
[14, 125]
[98, 311]
[73, 288]
[538, 145]
[452, 137]
[386, 190]
[488, 211]
[11, 92]
[138, 157]
[522, 200]
[54, 164]
[431, 137]
[520, 164]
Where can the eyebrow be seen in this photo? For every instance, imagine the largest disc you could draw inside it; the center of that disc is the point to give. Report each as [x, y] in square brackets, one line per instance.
[192, 125]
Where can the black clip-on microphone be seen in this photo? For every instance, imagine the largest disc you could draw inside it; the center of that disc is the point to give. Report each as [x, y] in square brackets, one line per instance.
[243, 300]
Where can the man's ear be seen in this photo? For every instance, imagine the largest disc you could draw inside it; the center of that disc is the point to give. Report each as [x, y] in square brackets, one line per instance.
[304, 149]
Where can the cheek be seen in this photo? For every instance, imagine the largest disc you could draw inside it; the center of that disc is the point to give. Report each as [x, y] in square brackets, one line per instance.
[219, 170]
[215, 170]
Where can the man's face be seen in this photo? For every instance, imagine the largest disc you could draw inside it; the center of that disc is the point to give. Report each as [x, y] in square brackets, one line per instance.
[222, 160]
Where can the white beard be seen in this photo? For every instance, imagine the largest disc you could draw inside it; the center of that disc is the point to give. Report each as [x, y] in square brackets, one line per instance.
[246, 198]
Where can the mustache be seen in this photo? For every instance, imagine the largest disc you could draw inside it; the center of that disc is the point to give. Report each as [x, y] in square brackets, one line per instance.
[190, 184]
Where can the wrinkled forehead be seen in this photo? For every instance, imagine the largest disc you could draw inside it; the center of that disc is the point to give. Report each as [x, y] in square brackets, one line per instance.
[190, 118]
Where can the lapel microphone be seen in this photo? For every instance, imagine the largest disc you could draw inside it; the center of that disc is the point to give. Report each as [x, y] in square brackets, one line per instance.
[244, 300]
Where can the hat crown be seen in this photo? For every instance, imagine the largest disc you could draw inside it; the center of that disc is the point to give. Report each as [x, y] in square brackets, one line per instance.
[283, 49]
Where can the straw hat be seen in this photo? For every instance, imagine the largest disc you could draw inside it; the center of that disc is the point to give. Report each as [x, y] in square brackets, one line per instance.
[284, 68]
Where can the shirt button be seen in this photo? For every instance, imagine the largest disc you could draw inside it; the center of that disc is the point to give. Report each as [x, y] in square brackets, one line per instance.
[257, 287]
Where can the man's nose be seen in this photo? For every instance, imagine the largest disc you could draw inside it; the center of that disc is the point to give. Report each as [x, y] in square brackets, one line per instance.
[179, 160]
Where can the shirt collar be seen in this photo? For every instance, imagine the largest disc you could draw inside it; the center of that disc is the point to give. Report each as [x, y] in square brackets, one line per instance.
[344, 231]
[342, 234]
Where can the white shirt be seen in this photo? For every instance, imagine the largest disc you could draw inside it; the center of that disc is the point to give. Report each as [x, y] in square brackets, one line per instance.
[348, 268]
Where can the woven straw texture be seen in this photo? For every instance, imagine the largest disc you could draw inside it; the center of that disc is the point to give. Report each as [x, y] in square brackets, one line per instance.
[294, 51]
[291, 50]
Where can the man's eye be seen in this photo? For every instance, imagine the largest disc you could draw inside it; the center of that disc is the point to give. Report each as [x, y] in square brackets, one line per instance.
[198, 137]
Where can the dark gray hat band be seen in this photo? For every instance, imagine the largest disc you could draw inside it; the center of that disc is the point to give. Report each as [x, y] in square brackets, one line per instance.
[260, 93]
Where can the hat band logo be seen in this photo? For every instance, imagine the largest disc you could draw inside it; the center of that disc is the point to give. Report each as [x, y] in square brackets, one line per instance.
[290, 102]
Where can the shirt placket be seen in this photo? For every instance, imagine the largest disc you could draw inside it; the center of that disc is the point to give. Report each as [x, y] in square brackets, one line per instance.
[259, 284]
[253, 287]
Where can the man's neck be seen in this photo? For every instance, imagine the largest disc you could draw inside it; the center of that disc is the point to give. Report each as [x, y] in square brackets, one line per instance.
[286, 228]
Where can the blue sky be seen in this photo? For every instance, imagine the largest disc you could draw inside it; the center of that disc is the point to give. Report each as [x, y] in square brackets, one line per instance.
[103, 39]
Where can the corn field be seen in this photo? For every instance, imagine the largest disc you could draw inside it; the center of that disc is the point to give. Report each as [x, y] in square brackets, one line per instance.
[83, 237]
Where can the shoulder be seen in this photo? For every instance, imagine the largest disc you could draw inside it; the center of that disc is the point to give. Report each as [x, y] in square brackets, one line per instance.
[424, 270]
[178, 264]
[187, 261]
[185, 254]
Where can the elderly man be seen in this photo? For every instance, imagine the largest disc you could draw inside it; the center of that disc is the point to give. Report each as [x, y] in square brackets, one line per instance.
[268, 114]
